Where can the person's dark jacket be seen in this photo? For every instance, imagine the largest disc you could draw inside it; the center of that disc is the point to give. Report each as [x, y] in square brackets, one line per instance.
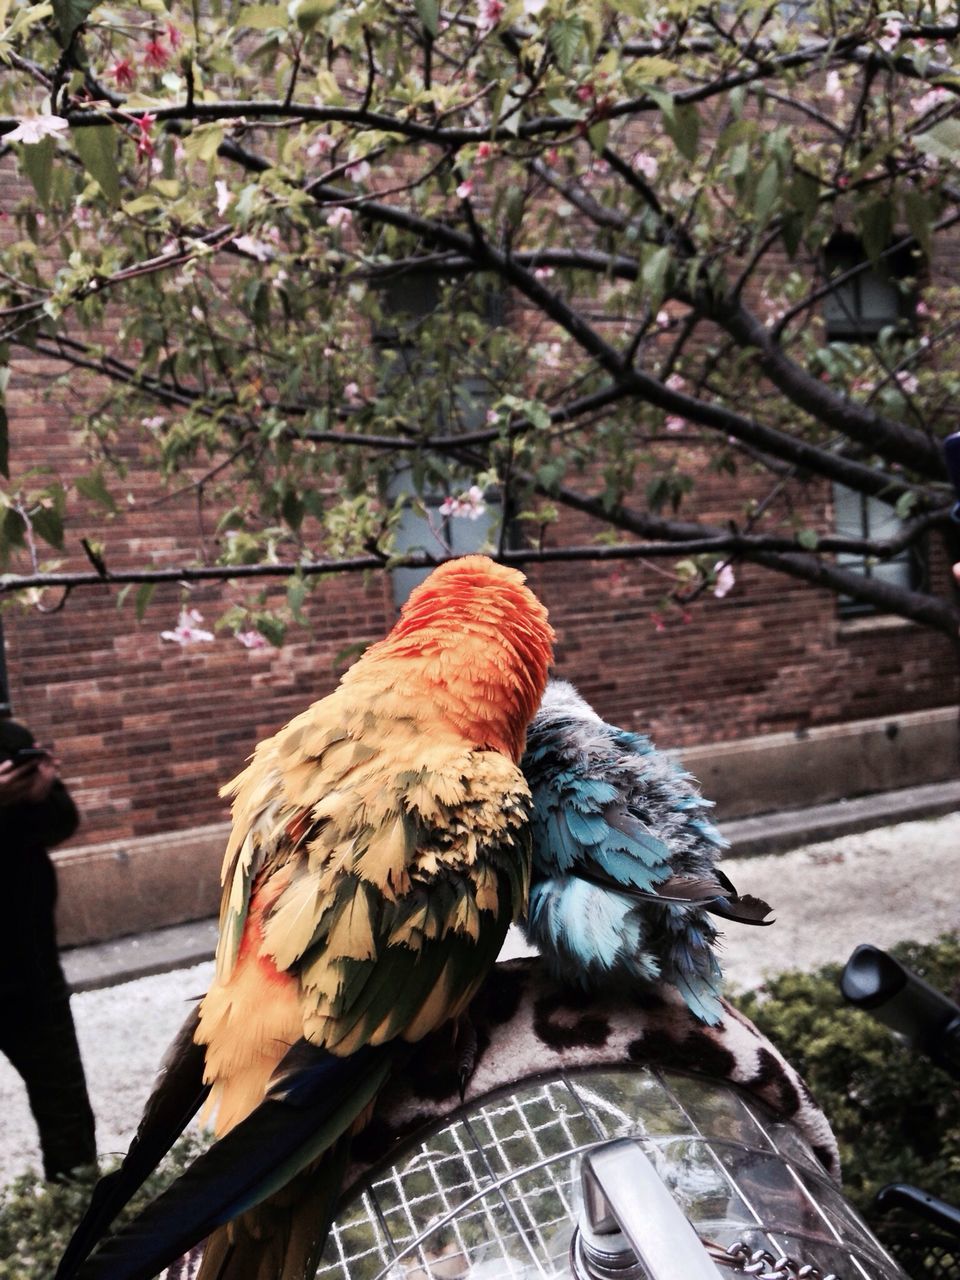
[27, 831]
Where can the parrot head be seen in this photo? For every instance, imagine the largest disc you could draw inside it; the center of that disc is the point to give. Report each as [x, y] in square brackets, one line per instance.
[478, 642]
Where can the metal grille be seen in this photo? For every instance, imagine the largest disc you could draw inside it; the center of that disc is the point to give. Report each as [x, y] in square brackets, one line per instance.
[924, 1253]
[493, 1195]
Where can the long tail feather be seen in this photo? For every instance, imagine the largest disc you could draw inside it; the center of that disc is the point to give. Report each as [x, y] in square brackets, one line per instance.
[177, 1096]
[287, 1132]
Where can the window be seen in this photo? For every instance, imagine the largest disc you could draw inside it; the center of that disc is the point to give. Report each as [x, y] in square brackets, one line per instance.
[406, 301]
[858, 516]
[876, 298]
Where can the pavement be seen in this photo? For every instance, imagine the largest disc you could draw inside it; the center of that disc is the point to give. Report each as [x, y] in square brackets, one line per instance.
[891, 883]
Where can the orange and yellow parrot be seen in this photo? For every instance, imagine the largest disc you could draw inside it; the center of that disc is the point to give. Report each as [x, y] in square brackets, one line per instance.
[379, 851]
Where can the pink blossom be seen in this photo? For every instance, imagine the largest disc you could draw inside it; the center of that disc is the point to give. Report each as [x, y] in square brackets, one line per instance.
[33, 129]
[469, 505]
[251, 639]
[321, 144]
[145, 147]
[663, 318]
[174, 36]
[492, 417]
[258, 249]
[224, 196]
[725, 579]
[543, 273]
[907, 382]
[155, 54]
[934, 97]
[352, 392]
[187, 631]
[153, 424]
[484, 151]
[465, 189]
[491, 11]
[921, 309]
[123, 73]
[339, 216]
[833, 86]
[658, 622]
[676, 382]
[673, 422]
[663, 29]
[890, 36]
[358, 171]
[645, 164]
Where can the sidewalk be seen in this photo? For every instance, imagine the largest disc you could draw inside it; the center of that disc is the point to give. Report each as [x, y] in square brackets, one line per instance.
[180, 946]
[886, 885]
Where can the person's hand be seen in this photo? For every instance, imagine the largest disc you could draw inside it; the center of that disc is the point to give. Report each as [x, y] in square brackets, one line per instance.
[26, 783]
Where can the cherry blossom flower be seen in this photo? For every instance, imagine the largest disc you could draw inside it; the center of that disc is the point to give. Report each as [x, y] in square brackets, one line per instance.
[543, 273]
[663, 29]
[663, 318]
[174, 36]
[224, 196]
[673, 422]
[934, 97]
[907, 382]
[658, 622]
[258, 249]
[188, 631]
[339, 216]
[890, 36]
[492, 417]
[921, 309]
[491, 11]
[645, 164]
[725, 579]
[465, 189]
[833, 86]
[676, 382]
[352, 392]
[321, 144]
[251, 639]
[33, 129]
[82, 217]
[145, 147]
[124, 74]
[155, 54]
[469, 505]
[153, 424]
[358, 171]
[484, 151]
[532, 8]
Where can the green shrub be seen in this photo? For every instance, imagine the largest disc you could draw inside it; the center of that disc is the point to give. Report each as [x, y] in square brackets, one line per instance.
[37, 1218]
[896, 1116]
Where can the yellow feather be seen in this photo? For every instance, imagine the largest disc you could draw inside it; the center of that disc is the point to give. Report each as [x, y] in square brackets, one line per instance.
[293, 922]
[351, 933]
[384, 861]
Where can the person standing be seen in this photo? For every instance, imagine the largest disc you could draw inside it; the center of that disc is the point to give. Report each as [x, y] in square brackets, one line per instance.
[36, 1027]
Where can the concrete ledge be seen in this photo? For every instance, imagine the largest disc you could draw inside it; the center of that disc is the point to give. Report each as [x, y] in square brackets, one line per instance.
[821, 766]
[779, 832]
[130, 886]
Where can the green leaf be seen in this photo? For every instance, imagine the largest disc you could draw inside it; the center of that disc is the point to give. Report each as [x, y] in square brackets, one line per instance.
[876, 227]
[683, 127]
[70, 14]
[905, 504]
[143, 597]
[943, 141]
[48, 522]
[263, 17]
[565, 36]
[429, 13]
[920, 212]
[37, 161]
[597, 134]
[653, 275]
[768, 188]
[94, 488]
[96, 147]
[808, 539]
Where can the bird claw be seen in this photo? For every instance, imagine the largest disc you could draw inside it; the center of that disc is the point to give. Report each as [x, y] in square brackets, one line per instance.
[466, 1048]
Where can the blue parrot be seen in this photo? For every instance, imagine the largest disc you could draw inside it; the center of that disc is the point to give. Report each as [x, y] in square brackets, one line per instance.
[624, 859]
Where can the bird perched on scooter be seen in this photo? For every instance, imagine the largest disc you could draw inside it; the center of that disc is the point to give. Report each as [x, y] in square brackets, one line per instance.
[379, 852]
[624, 859]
